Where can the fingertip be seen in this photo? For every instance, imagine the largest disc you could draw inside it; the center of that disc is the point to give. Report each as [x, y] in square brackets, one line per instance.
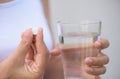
[88, 61]
[89, 70]
[105, 58]
[27, 35]
[40, 29]
[104, 43]
[55, 52]
[97, 44]
[40, 34]
[107, 43]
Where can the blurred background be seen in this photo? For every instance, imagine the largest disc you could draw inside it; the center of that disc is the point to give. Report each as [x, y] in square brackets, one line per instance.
[108, 11]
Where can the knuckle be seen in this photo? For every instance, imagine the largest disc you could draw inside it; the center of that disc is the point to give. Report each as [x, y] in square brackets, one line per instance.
[107, 60]
[99, 71]
[97, 62]
[104, 70]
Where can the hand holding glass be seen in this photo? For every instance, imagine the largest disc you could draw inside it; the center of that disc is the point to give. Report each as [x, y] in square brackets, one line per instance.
[76, 42]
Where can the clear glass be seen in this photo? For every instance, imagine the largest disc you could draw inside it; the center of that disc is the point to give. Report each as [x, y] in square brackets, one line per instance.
[76, 42]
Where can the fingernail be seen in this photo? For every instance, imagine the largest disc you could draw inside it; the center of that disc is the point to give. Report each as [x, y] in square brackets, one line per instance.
[89, 60]
[98, 43]
[90, 69]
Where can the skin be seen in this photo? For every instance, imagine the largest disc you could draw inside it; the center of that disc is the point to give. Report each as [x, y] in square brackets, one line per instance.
[21, 64]
[24, 64]
[4, 1]
[55, 70]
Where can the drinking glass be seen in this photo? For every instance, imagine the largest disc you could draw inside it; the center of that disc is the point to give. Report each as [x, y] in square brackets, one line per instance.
[76, 42]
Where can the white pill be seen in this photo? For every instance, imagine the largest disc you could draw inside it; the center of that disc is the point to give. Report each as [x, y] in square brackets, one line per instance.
[35, 30]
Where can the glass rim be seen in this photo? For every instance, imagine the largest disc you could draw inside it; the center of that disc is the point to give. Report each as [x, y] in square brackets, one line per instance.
[83, 22]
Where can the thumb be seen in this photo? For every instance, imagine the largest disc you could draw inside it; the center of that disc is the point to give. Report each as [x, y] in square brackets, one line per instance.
[23, 46]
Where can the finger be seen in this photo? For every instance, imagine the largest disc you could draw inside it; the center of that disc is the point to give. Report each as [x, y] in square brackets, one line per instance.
[100, 60]
[24, 45]
[55, 52]
[42, 54]
[95, 70]
[102, 44]
[30, 54]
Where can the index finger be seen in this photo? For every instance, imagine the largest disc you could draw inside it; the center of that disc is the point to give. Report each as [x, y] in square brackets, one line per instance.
[102, 44]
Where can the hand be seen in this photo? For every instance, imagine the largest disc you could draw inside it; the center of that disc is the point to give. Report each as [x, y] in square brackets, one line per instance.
[23, 63]
[95, 64]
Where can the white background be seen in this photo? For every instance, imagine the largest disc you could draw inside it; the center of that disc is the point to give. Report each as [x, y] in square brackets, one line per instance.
[108, 11]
